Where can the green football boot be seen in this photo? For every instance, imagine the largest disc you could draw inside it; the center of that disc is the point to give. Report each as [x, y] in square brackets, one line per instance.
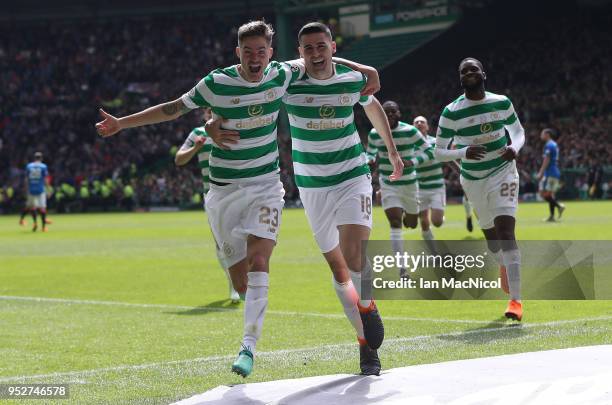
[244, 363]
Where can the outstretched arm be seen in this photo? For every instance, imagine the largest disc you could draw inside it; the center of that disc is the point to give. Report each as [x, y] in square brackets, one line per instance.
[377, 117]
[426, 152]
[373, 83]
[169, 111]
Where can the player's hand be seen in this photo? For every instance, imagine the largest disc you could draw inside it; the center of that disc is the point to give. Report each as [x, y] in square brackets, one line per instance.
[199, 141]
[373, 83]
[221, 137]
[109, 126]
[398, 166]
[539, 176]
[508, 153]
[475, 152]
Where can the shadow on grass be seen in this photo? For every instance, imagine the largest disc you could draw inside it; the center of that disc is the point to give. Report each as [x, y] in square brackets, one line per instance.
[498, 329]
[225, 305]
[341, 391]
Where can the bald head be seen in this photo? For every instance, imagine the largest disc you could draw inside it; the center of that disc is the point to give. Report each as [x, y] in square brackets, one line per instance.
[421, 123]
[418, 119]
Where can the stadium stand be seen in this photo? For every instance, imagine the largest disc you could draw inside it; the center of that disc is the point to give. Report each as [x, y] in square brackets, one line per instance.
[56, 73]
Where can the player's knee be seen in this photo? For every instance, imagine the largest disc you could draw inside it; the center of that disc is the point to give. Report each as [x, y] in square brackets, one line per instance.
[410, 221]
[506, 234]
[259, 262]
[395, 222]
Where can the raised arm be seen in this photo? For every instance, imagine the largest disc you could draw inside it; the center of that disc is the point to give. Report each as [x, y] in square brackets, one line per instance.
[377, 117]
[169, 111]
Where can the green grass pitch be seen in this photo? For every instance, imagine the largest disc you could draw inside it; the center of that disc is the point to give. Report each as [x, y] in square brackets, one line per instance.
[135, 307]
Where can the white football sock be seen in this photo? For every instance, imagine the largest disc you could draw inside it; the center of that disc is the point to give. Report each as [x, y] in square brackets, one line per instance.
[499, 258]
[467, 206]
[397, 241]
[348, 298]
[255, 307]
[428, 235]
[356, 278]
[512, 261]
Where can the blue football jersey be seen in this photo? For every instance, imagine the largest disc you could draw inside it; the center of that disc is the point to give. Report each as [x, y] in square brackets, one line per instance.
[552, 151]
[36, 173]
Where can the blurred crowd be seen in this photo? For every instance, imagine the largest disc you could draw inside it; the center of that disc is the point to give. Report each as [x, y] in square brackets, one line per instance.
[55, 76]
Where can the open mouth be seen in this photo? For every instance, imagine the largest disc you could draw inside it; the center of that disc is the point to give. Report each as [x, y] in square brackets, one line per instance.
[318, 63]
[254, 68]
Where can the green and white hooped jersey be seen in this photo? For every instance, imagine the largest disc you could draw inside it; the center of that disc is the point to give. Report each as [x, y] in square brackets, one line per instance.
[479, 122]
[203, 154]
[430, 174]
[411, 145]
[326, 148]
[252, 110]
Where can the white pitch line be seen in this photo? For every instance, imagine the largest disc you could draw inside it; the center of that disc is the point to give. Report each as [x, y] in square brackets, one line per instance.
[218, 309]
[284, 352]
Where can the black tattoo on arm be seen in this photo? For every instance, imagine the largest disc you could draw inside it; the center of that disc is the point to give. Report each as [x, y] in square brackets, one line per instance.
[174, 107]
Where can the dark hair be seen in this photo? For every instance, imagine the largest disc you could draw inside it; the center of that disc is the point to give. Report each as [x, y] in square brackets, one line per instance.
[314, 28]
[258, 28]
[479, 63]
[552, 132]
